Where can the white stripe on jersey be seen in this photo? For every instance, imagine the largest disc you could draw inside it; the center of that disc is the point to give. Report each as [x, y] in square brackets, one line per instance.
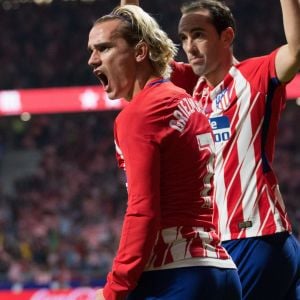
[183, 243]
[118, 150]
[243, 195]
[246, 148]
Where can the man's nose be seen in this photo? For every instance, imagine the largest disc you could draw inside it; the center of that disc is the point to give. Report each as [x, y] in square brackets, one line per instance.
[190, 46]
[94, 59]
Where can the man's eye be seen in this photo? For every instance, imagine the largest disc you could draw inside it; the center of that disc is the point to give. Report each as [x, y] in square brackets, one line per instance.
[198, 34]
[182, 38]
[103, 48]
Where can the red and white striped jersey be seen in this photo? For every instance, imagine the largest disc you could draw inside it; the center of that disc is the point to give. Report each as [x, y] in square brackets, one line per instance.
[244, 111]
[165, 144]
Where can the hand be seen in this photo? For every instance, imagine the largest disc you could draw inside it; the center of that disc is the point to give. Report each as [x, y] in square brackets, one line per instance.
[99, 295]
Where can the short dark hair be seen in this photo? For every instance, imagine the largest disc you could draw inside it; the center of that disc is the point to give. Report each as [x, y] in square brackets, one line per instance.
[220, 13]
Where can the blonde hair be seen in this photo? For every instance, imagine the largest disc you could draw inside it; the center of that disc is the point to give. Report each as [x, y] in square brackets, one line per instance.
[137, 26]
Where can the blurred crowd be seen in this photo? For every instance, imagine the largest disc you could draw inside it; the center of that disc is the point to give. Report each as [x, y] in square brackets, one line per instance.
[61, 223]
[46, 45]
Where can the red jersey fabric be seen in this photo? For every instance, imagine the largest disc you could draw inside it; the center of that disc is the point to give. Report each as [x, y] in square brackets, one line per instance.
[165, 145]
[244, 111]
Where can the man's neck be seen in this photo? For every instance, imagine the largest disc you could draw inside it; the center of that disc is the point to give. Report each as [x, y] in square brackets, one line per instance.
[217, 76]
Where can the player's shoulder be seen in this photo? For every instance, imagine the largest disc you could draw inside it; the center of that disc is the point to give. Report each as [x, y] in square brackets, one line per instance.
[257, 60]
[169, 90]
[159, 101]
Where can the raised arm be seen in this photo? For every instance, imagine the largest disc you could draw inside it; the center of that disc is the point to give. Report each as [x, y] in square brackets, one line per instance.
[124, 2]
[288, 57]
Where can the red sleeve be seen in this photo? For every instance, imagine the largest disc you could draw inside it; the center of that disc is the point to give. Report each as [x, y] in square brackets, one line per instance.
[142, 163]
[183, 76]
[261, 72]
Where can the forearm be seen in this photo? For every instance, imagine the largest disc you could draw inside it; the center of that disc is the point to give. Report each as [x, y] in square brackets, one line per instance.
[135, 2]
[287, 61]
[142, 218]
[291, 23]
[138, 237]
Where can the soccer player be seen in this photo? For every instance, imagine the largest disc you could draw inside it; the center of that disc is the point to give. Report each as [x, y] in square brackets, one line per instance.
[169, 248]
[243, 101]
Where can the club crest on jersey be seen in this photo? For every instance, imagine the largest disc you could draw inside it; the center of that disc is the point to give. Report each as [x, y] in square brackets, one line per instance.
[221, 128]
[222, 100]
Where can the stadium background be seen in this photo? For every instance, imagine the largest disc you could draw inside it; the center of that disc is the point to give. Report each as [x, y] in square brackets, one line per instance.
[61, 196]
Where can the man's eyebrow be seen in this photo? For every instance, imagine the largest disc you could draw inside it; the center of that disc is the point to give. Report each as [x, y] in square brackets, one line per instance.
[98, 45]
[196, 28]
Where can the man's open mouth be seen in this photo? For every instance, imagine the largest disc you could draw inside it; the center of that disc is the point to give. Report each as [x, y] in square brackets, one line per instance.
[102, 78]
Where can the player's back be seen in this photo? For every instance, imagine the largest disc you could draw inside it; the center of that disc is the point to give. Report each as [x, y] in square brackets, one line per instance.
[167, 117]
[164, 129]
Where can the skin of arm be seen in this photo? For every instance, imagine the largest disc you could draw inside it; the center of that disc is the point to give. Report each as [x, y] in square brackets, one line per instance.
[288, 57]
[124, 2]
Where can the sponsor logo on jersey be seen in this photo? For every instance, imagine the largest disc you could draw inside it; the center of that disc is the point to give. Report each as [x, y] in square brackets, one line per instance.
[221, 128]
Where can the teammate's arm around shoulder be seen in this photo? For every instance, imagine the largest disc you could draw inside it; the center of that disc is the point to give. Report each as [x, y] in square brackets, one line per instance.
[288, 57]
[135, 2]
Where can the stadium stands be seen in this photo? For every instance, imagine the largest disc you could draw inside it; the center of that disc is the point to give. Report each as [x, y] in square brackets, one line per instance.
[61, 196]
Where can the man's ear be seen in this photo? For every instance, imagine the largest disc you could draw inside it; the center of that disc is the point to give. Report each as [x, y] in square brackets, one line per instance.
[141, 51]
[227, 36]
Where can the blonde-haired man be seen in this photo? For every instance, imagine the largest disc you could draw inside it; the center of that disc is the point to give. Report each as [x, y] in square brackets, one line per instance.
[244, 101]
[169, 248]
